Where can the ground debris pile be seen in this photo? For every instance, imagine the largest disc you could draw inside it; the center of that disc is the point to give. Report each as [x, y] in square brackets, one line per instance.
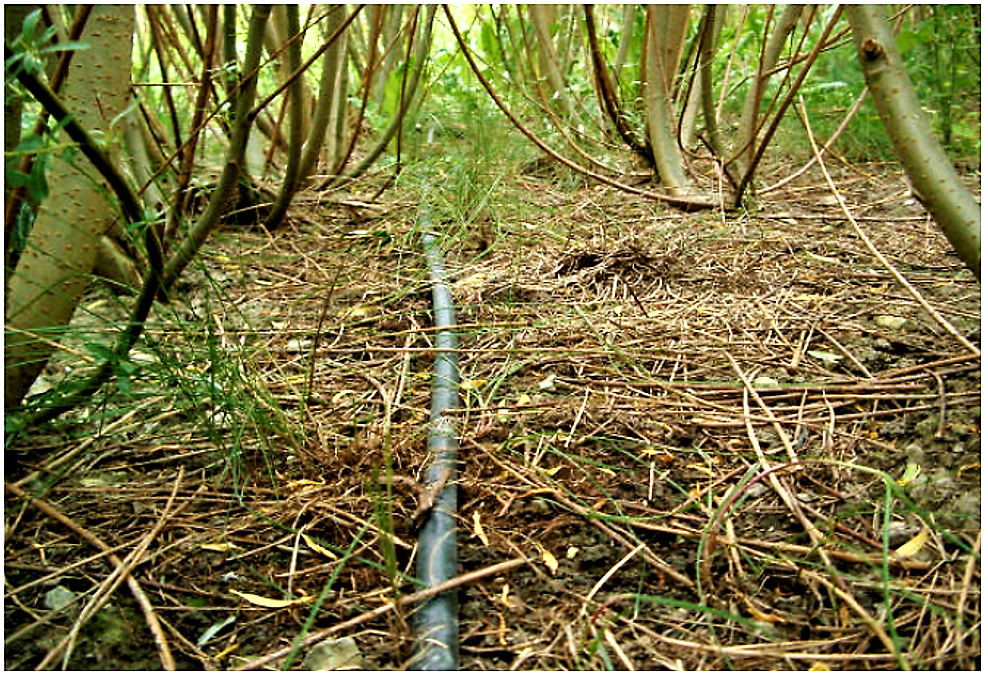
[688, 441]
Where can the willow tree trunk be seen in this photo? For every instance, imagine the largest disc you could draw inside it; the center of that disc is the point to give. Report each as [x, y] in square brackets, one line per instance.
[330, 110]
[709, 32]
[55, 268]
[543, 17]
[628, 14]
[766, 68]
[296, 122]
[418, 63]
[243, 119]
[666, 33]
[930, 171]
[385, 56]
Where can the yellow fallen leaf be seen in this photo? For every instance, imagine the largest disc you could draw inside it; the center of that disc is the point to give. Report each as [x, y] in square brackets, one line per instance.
[703, 469]
[226, 651]
[315, 546]
[304, 483]
[360, 311]
[475, 280]
[218, 546]
[889, 321]
[504, 595]
[572, 552]
[265, 602]
[550, 561]
[762, 616]
[553, 471]
[608, 471]
[502, 630]
[818, 666]
[828, 358]
[660, 455]
[478, 529]
[524, 400]
[968, 468]
[915, 544]
[503, 412]
[475, 384]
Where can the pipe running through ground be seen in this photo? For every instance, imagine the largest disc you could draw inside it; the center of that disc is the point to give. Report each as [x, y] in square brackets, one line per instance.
[436, 621]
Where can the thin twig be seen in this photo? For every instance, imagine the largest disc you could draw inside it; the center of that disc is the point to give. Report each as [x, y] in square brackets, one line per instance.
[942, 401]
[937, 317]
[110, 584]
[873, 625]
[167, 662]
[974, 558]
[610, 573]
[401, 602]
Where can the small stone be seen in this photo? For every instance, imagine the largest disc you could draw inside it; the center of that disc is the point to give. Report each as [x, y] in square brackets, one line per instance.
[58, 598]
[295, 345]
[141, 357]
[541, 505]
[900, 532]
[756, 490]
[916, 453]
[890, 321]
[333, 655]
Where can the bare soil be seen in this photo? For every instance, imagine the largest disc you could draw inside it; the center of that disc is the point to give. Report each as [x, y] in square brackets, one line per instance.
[714, 441]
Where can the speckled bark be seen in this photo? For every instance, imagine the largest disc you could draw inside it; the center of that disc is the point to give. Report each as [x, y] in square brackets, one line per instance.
[55, 267]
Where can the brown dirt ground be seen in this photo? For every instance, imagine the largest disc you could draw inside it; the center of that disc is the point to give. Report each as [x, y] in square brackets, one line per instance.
[607, 436]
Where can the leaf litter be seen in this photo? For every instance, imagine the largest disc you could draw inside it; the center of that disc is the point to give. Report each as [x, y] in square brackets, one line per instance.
[687, 441]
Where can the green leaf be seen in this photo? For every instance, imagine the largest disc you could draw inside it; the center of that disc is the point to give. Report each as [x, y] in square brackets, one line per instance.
[131, 107]
[29, 31]
[33, 64]
[488, 41]
[30, 144]
[906, 39]
[216, 628]
[9, 68]
[36, 182]
[16, 179]
[124, 385]
[101, 352]
[37, 185]
[127, 368]
[392, 92]
[71, 45]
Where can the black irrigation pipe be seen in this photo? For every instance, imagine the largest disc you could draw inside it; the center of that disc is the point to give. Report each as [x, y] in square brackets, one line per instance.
[436, 623]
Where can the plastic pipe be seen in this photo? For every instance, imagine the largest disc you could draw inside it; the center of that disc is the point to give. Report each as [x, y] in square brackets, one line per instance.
[436, 622]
